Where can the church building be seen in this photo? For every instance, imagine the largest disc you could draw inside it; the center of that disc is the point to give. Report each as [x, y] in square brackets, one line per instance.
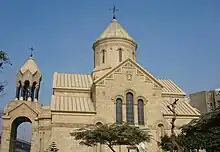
[117, 90]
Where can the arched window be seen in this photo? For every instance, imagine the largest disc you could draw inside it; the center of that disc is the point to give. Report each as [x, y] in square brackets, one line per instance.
[161, 131]
[130, 108]
[119, 111]
[140, 112]
[98, 124]
[103, 56]
[120, 54]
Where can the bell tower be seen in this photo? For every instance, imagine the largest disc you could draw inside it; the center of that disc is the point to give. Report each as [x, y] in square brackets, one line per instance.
[28, 81]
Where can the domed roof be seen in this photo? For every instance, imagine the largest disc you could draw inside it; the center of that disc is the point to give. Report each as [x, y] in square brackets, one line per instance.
[115, 30]
[31, 66]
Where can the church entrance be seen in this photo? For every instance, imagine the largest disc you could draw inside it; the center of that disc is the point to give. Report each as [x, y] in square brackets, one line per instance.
[17, 144]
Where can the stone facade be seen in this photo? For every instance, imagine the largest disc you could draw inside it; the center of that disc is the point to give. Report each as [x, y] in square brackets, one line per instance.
[80, 99]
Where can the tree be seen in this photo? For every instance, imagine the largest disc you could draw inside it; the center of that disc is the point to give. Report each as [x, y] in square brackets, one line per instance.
[4, 60]
[202, 133]
[111, 135]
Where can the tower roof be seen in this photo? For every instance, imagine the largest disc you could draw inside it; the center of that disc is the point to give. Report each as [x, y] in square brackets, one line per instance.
[31, 66]
[115, 30]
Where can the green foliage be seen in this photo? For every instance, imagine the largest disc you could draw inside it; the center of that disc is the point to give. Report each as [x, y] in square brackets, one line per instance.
[203, 133]
[111, 135]
[4, 59]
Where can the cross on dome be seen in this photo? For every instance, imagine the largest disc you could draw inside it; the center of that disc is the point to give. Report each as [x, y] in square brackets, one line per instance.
[114, 9]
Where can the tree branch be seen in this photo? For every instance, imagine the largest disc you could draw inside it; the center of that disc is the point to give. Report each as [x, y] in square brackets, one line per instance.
[110, 146]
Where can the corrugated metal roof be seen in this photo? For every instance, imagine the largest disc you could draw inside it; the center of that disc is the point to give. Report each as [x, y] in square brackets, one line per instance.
[115, 30]
[72, 104]
[171, 87]
[71, 81]
[183, 108]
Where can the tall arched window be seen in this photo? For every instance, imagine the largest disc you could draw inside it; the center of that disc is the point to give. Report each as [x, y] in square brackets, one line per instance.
[103, 56]
[140, 112]
[130, 108]
[120, 54]
[119, 111]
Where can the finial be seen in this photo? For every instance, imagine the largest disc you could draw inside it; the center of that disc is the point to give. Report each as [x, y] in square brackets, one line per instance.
[114, 9]
[31, 49]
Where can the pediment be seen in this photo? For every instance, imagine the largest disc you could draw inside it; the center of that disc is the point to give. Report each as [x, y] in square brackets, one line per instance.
[23, 107]
[132, 65]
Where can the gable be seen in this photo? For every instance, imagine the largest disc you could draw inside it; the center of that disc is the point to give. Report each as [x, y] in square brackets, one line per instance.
[23, 108]
[129, 64]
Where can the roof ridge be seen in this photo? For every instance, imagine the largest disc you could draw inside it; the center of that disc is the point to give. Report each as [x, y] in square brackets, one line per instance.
[73, 73]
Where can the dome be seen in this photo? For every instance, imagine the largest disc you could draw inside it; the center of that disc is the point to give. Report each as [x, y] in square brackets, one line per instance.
[115, 30]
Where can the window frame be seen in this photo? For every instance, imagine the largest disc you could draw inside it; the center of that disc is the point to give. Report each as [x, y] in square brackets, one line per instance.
[130, 108]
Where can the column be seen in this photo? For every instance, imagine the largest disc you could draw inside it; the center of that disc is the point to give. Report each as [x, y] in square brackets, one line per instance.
[35, 140]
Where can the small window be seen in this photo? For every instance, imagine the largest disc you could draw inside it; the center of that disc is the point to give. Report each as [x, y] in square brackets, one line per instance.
[103, 56]
[133, 55]
[120, 54]
[211, 107]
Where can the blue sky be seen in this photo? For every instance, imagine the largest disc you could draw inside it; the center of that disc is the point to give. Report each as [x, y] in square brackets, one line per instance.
[177, 40]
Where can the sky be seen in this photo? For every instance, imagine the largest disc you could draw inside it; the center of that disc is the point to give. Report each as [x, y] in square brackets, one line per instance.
[177, 40]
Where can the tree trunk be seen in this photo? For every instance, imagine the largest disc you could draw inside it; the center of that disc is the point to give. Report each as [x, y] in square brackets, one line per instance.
[111, 148]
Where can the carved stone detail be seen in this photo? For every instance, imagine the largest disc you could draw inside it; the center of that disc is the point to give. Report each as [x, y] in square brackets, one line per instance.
[129, 75]
[101, 82]
[128, 65]
[117, 44]
[139, 73]
[118, 70]
[111, 77]
[147, 80]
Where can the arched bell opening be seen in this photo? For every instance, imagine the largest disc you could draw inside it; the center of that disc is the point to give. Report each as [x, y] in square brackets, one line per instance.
[26, 90]
[33, 91]
[19, 138]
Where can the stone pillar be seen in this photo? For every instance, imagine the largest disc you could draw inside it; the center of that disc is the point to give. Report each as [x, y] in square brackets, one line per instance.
[135, 114]
[36, 93]
[6, 133]
[35, 139]
[18, 91]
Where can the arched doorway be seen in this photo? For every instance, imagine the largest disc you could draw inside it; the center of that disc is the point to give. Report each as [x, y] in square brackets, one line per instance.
[14, 133]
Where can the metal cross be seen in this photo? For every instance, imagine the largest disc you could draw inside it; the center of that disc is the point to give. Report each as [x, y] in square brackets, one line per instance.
[31, 49]
[114, 9]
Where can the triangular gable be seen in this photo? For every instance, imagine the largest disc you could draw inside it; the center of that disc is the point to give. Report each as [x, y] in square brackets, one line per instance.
[23, 103]
[130, 63]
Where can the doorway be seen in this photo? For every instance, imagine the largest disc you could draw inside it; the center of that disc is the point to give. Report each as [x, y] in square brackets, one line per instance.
[20, 139]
